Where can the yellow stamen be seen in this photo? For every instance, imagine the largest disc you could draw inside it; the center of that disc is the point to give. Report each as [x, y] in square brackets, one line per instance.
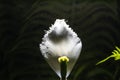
[63, 58]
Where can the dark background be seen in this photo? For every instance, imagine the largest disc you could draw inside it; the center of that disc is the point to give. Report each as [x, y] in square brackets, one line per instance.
[22, 25]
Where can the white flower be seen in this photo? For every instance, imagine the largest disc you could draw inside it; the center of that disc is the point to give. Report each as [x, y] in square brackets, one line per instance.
[59, 41]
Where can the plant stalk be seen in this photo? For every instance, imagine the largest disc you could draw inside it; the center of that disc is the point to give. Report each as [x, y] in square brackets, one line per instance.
[63, 66]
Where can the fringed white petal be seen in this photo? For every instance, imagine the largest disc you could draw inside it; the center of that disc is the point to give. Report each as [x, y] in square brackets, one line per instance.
[60, 40]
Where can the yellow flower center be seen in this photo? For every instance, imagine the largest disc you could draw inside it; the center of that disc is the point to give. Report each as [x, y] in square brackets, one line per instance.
[63, 59]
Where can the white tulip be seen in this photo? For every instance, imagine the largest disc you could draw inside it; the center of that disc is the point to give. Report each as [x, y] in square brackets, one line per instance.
[59, 41]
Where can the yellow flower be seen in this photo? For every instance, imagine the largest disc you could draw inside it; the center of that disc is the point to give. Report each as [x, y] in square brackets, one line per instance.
[60, 40]
[116, 55]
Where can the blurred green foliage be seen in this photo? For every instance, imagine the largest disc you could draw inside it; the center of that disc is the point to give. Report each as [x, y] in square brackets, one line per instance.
[22, 25]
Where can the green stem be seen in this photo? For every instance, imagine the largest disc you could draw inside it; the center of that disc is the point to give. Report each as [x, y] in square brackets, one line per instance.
[105, 59]
[63, 70]
[63, 60]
